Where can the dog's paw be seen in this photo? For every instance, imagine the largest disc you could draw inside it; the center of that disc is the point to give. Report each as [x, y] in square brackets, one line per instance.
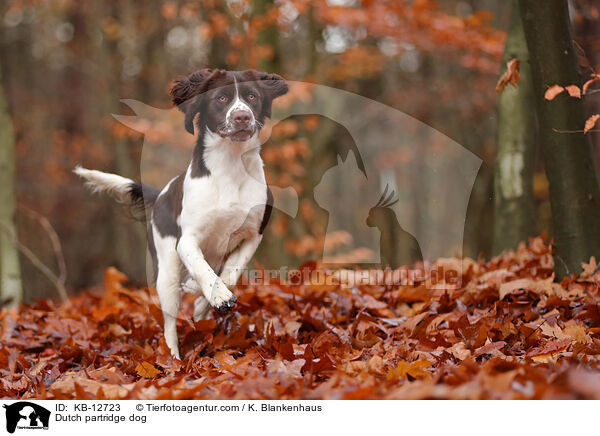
[173, 345]
[222, 299]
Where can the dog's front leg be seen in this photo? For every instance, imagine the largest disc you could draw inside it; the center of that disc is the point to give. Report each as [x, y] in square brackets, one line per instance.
[213, 288]
[238, 259]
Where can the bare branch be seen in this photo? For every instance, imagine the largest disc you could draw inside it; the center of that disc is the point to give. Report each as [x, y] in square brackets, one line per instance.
[60, 287]
[575, 131]
[54, 240]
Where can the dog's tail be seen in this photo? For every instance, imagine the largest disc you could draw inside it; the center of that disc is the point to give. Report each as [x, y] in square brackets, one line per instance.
[137, 196]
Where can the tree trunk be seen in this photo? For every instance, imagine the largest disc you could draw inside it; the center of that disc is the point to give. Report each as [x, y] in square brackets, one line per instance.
[10, 271]
[573, 184]
[515, 156]
[267, 37]
[129, 236]
[219, 44]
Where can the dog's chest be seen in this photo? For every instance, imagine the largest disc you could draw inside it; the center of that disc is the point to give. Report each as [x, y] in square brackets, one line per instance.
[224, 208]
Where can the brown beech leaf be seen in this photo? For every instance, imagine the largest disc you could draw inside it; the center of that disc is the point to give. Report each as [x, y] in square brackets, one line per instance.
[72, 384]
[553, 91]
[537, 286]
[591, 122]
[375, 365]
[574, 91]
[509, 332]
[511, 75]
[414, 369]
[146, 370]
[586, 85]
[589, 269]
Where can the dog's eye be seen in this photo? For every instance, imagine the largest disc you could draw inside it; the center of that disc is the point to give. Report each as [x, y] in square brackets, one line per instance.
[251, 96]
[222, 98]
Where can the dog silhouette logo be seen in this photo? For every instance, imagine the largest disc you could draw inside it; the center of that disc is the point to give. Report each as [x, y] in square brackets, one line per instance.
[432, 176]
[26, 415]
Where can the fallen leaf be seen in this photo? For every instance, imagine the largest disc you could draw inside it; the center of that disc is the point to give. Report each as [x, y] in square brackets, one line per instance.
[508, 332]
[146, 370]
[414, 369]
[538, 286]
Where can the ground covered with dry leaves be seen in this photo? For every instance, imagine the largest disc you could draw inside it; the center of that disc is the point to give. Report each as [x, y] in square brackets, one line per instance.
[507, 332]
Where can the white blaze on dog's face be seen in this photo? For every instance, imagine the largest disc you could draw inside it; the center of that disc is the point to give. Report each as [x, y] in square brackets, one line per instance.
[240, 120]
[233, 104]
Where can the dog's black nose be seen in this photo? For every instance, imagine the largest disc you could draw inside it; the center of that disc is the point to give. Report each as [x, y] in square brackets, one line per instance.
[241, 118]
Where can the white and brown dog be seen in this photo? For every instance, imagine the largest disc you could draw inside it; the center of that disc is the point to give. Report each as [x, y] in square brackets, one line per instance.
[206, 224]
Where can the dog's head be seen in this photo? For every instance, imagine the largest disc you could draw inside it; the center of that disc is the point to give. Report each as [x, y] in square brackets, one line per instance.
[233, 104]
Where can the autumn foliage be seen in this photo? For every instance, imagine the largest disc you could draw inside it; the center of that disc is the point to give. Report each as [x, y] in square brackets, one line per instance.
[507, 332]
[574, 91]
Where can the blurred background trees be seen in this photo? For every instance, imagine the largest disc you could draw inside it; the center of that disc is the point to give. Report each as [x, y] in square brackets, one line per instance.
[67, 64]
[10, 269]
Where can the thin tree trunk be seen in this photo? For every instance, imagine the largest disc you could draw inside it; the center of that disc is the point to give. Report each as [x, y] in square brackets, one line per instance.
[267, 37]
[219, 44]
[130, 237]
[10, 270]
[573, 183]
[513, 178]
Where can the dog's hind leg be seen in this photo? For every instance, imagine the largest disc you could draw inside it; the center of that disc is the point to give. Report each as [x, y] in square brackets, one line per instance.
[201, 308]
[168, 286]
[237, 261]
[201, 305]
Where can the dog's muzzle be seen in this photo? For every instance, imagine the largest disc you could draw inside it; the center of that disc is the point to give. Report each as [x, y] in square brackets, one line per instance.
[240, 125]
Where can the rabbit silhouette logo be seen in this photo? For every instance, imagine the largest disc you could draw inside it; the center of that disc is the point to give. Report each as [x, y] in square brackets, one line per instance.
[26, 415]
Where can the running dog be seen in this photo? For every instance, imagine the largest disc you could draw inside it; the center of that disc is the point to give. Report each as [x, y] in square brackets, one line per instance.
[205, 224]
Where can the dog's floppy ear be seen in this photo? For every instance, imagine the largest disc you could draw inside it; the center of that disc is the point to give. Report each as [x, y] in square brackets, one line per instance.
[183, 89]
[274, 86]
[186, 92]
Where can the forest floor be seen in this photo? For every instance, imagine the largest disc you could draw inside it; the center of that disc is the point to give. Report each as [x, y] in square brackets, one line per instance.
[507, 332]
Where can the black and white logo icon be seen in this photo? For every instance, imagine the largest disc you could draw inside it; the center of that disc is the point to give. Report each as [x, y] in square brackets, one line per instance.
[26, 415]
